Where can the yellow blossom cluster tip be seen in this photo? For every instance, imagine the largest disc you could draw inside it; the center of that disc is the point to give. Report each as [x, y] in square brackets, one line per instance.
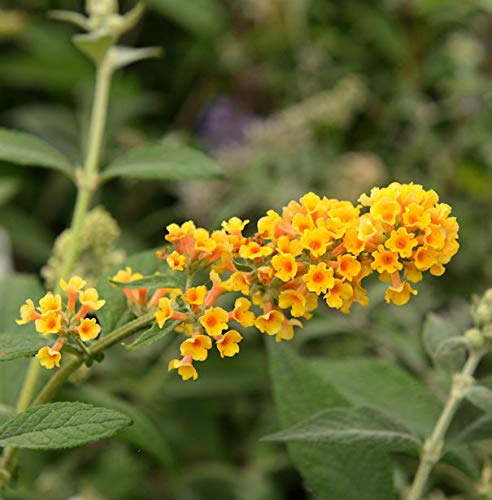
[315, 248]
[65, 320]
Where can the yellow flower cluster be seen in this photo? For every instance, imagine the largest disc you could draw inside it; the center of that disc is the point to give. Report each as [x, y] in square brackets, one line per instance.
[53, 317]
[317, 247]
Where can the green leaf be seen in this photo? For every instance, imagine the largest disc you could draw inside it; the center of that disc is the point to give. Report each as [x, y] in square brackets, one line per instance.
[330, 471]
[481, 397]
[115, 312]
[124, 56]
[442, 342]
[19, 345]
[384, 387]
[163, 162]
[201, 17]
[26, 150]
[61, 425]
[144, 433]
[350, 426]
[14, 290]
[153, 334]
[95, 44]
[155, 281]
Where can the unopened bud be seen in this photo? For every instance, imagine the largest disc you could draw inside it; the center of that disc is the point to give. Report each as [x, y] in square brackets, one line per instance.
[101, 8]
[474, 338]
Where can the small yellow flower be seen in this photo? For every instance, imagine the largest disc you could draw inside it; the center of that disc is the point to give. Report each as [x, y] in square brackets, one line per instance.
[241, 312]
[88, 329]
[319, 278]
[270, 322]
[50, 303]
[316, 241]
[386, 210]
[287, 330]
[234, 225]
[48, 357]
[90, 299]
[294, 300]
[185, 368]
[203, 242]
[74, 284]
[285, 266]
[195, 295]
[49, 322]
[385, 261]
[176, 232]
[401, 242]
[214, 320]
[164, 312]
[228, 343]
[237, 282]
[399, 295]
[348, 266]
[176, 261]
[197, 347]
[253, 250]
[424, 258]
[28, 313]
[338, 294]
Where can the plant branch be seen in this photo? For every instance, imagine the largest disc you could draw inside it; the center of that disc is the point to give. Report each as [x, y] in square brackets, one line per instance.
[434, 445]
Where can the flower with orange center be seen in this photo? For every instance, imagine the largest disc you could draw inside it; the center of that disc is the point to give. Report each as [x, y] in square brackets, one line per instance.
[302, 222]
[88, 329]
[197, 347]
[434, 237]
[176, 261]
[310, 201]
[72, 288]
[164, 312]
[227, 344]
[237, 282]
[48, 357]
[424, 258]
[241, 312]
[28, 313]
[214, 320]
[385, 261]
[319, 278]
[340, 292]
[386, 210]
[185, 368]
[316, 241]
[285, 266]
[90, 299]
[348, 266]
[253, 250]
[176, 232]
[270, 322]
[195, 295]
[265, 274]
[267, 226]
[287, 330]
[401, 242]
[399, 295]
[352, 242]
[286, 245]
[234, 225]
[293, 299]
[50, 303]
[203, 242]
[412, 273]
[50, 322]
[415, 215]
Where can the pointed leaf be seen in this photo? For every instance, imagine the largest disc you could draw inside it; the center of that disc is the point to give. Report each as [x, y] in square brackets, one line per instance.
[96, 44]
[330, 471]
[481, 397]
[123, 56]
[350, 426]
[61, 425]
[19, 345]
[163, 162]
[153, 334]
[27, 150]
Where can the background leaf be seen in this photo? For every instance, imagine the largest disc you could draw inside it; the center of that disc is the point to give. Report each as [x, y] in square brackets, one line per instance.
[330, 471]
[19, 345]
[348, 427]
[60, 425]
[153, 334]
[24, 149]
[163, 162]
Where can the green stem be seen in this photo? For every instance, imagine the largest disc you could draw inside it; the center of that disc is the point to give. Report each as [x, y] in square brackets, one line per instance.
[434, 445]
[88, 178]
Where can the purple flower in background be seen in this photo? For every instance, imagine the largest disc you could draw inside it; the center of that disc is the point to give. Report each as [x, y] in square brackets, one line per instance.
[224, 124]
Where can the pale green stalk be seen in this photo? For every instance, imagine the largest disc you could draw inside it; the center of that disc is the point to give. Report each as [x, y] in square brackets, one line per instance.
[434, 445]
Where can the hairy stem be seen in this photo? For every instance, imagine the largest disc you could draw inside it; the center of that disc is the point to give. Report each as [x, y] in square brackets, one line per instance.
[434, 445]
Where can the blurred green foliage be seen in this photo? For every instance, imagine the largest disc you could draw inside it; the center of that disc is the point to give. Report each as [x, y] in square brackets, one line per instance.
[289, 96]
